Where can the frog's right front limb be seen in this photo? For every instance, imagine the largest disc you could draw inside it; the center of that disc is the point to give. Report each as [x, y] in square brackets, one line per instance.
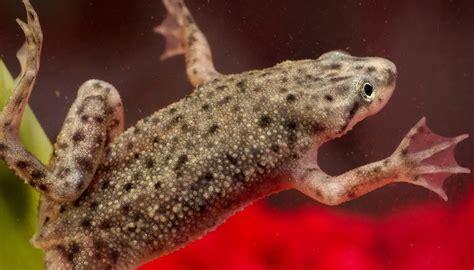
[423, 158]
[95, 118]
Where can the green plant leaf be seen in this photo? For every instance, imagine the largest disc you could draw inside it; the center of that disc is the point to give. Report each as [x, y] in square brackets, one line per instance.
[18, 201]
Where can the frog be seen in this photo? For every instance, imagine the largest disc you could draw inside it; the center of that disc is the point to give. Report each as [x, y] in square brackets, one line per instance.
[113, 198]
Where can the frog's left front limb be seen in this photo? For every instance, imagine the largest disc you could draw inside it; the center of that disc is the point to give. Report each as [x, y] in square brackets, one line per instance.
[423, 159]
[183, 36]
[95, 118]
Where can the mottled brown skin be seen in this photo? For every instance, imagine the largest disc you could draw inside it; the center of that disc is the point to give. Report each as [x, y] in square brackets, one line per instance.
[113, 199]
[182, 170]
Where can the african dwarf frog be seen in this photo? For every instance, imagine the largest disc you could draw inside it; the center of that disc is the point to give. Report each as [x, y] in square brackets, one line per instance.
[112, 199]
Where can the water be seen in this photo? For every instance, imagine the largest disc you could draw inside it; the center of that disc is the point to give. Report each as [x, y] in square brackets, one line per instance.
[394, 227]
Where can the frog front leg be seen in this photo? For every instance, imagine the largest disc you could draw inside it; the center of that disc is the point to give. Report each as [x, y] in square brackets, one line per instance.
[184, 37]
[423, 158]
[94, 119]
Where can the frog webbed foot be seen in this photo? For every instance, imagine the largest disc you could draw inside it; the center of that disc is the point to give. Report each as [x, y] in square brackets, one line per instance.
[428, 159]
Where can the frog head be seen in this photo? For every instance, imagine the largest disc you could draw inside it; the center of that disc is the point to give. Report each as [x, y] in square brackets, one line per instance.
[352, 88]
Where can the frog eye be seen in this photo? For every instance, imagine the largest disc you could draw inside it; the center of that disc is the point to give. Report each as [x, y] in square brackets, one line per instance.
[367, 92]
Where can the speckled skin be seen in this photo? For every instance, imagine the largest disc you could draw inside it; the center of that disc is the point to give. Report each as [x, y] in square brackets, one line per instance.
[113, 199]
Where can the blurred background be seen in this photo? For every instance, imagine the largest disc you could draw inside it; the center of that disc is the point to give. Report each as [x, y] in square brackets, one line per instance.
[430, 41]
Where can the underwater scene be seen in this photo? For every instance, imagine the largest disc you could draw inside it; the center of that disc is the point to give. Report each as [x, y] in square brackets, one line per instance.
[258, 135]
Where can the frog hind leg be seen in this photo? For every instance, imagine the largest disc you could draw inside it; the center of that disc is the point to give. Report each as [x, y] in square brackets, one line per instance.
[74, 162]
[430, 158]
[184, 37]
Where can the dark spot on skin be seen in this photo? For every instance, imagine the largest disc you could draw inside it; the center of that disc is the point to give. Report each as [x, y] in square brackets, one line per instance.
[283, 90]
[62, 146]
[328, 98]
[316, 128]
[338, 79]
[290, 98]
[78, 136]
[35, 174]
[238, 177]
[191, 40]
[3, 147]
[331, 75]
[105, 184]
[125, 209]
[358, 67]
[22, 164]
[376, 169]
[43, 187]
[136, 130]
[351, 194]
[86, 223]
[335, 66]
[62, 250]
[231, 159]
[291, 125]
[114, 255]
[136, 155]
[241, 85]
[7, 124]
[32, 15]
[181, 161]
[235, 108]
[132, 229]
[371, 69]
[189, 19]
[205, 107]
[354, 109]
[275, 148]
[73, 250]
[156, 139]
[158, 185]
[390, 76]
[105, 225]
[62, 208]
[213, 129]
[99, 139]
[114, 123]
[94, 205]
[46, 220]
[129, 146]
[177, 119]
[128, 187]
[224, 101]
[18, 101]
[404, 151]
[172, 110]
[265, 121]
[85, 164]
[221, 87]
[99, 119]
[149, 163]
[194, 71]
[386, 162]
